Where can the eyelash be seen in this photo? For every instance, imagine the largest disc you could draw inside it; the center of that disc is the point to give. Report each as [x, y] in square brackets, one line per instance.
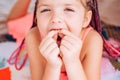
[66, 9]
[69, 9]
[45, 10]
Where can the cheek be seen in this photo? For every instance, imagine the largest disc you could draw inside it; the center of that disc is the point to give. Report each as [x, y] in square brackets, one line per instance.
[42, 28]
[42, 32]
[42, 24]
[75, 27]
[76, 31]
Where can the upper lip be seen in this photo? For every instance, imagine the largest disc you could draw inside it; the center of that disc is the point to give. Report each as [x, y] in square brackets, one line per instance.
[59, 35]
[56, 29]
[57, 26]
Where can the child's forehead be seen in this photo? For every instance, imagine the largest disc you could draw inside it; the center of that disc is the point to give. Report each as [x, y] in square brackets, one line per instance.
[57, 1]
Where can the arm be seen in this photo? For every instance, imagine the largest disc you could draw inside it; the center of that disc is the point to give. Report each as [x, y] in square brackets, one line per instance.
[40, 69]
[50, 51]
[92, 61]
[51, 73]
[19, 9]
[77, 70]
[37, 62]
[71, 48]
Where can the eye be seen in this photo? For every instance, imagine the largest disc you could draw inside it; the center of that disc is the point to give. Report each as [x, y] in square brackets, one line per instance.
[45, 10]
[69, 10]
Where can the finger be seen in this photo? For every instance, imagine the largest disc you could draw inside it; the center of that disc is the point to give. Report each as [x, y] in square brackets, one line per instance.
[46, 44]
[66, 44]
[71, 35]
[66, 32]
[63, 49]
[52, 33]
[50, 49]
[69, 39]
[72, 40]
[49, 35]
[55, 52]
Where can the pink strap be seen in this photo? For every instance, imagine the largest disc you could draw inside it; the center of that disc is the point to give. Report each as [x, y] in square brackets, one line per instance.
[87, 31]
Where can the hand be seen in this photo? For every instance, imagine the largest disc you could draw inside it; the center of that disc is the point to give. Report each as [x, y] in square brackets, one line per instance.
[50, 51]
[70, 47]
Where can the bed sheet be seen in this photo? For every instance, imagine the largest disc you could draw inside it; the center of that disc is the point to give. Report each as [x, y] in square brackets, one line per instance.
[8, 72]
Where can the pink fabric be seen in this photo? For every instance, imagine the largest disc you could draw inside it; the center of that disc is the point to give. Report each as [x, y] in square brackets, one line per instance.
[19, 27]
[86, 32]
[106, 69]
[106, 66]
[63, 76]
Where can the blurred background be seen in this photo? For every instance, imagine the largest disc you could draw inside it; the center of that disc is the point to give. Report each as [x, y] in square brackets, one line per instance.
[16, 19]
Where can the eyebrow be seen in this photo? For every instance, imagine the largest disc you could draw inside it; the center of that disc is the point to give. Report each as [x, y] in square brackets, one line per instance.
[67, 4]
[42, 5]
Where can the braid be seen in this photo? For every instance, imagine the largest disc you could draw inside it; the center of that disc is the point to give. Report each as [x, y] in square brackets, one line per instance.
[34, 16]
[96, 24]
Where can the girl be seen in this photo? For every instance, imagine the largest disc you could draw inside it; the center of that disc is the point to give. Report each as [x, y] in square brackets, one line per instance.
[62, 45]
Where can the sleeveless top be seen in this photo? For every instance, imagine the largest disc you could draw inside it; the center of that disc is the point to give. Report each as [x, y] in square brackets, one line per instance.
[63, 75]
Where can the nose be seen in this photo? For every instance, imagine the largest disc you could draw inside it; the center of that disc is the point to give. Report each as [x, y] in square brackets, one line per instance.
[57, 22]
[56, 18]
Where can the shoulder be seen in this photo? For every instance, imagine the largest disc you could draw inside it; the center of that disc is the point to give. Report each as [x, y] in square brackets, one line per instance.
[33, 36]
[32, 42]
[94, 37]
[33, 33]
[32, 39]
[93, 46]
[93, 42]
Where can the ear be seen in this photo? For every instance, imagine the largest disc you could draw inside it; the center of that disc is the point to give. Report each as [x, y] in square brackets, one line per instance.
[87, 18]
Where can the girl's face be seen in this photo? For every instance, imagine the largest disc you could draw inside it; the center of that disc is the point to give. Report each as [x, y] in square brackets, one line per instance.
[60, 14]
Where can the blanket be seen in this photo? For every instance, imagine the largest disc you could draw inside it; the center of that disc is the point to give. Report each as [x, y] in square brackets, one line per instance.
[8, 72]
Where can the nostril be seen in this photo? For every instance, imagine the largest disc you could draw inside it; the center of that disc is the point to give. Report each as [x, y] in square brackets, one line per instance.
[56, 21]
[59, 21]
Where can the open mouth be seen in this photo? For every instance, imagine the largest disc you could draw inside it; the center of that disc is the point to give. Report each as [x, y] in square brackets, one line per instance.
[58, 37]
[58, 40]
